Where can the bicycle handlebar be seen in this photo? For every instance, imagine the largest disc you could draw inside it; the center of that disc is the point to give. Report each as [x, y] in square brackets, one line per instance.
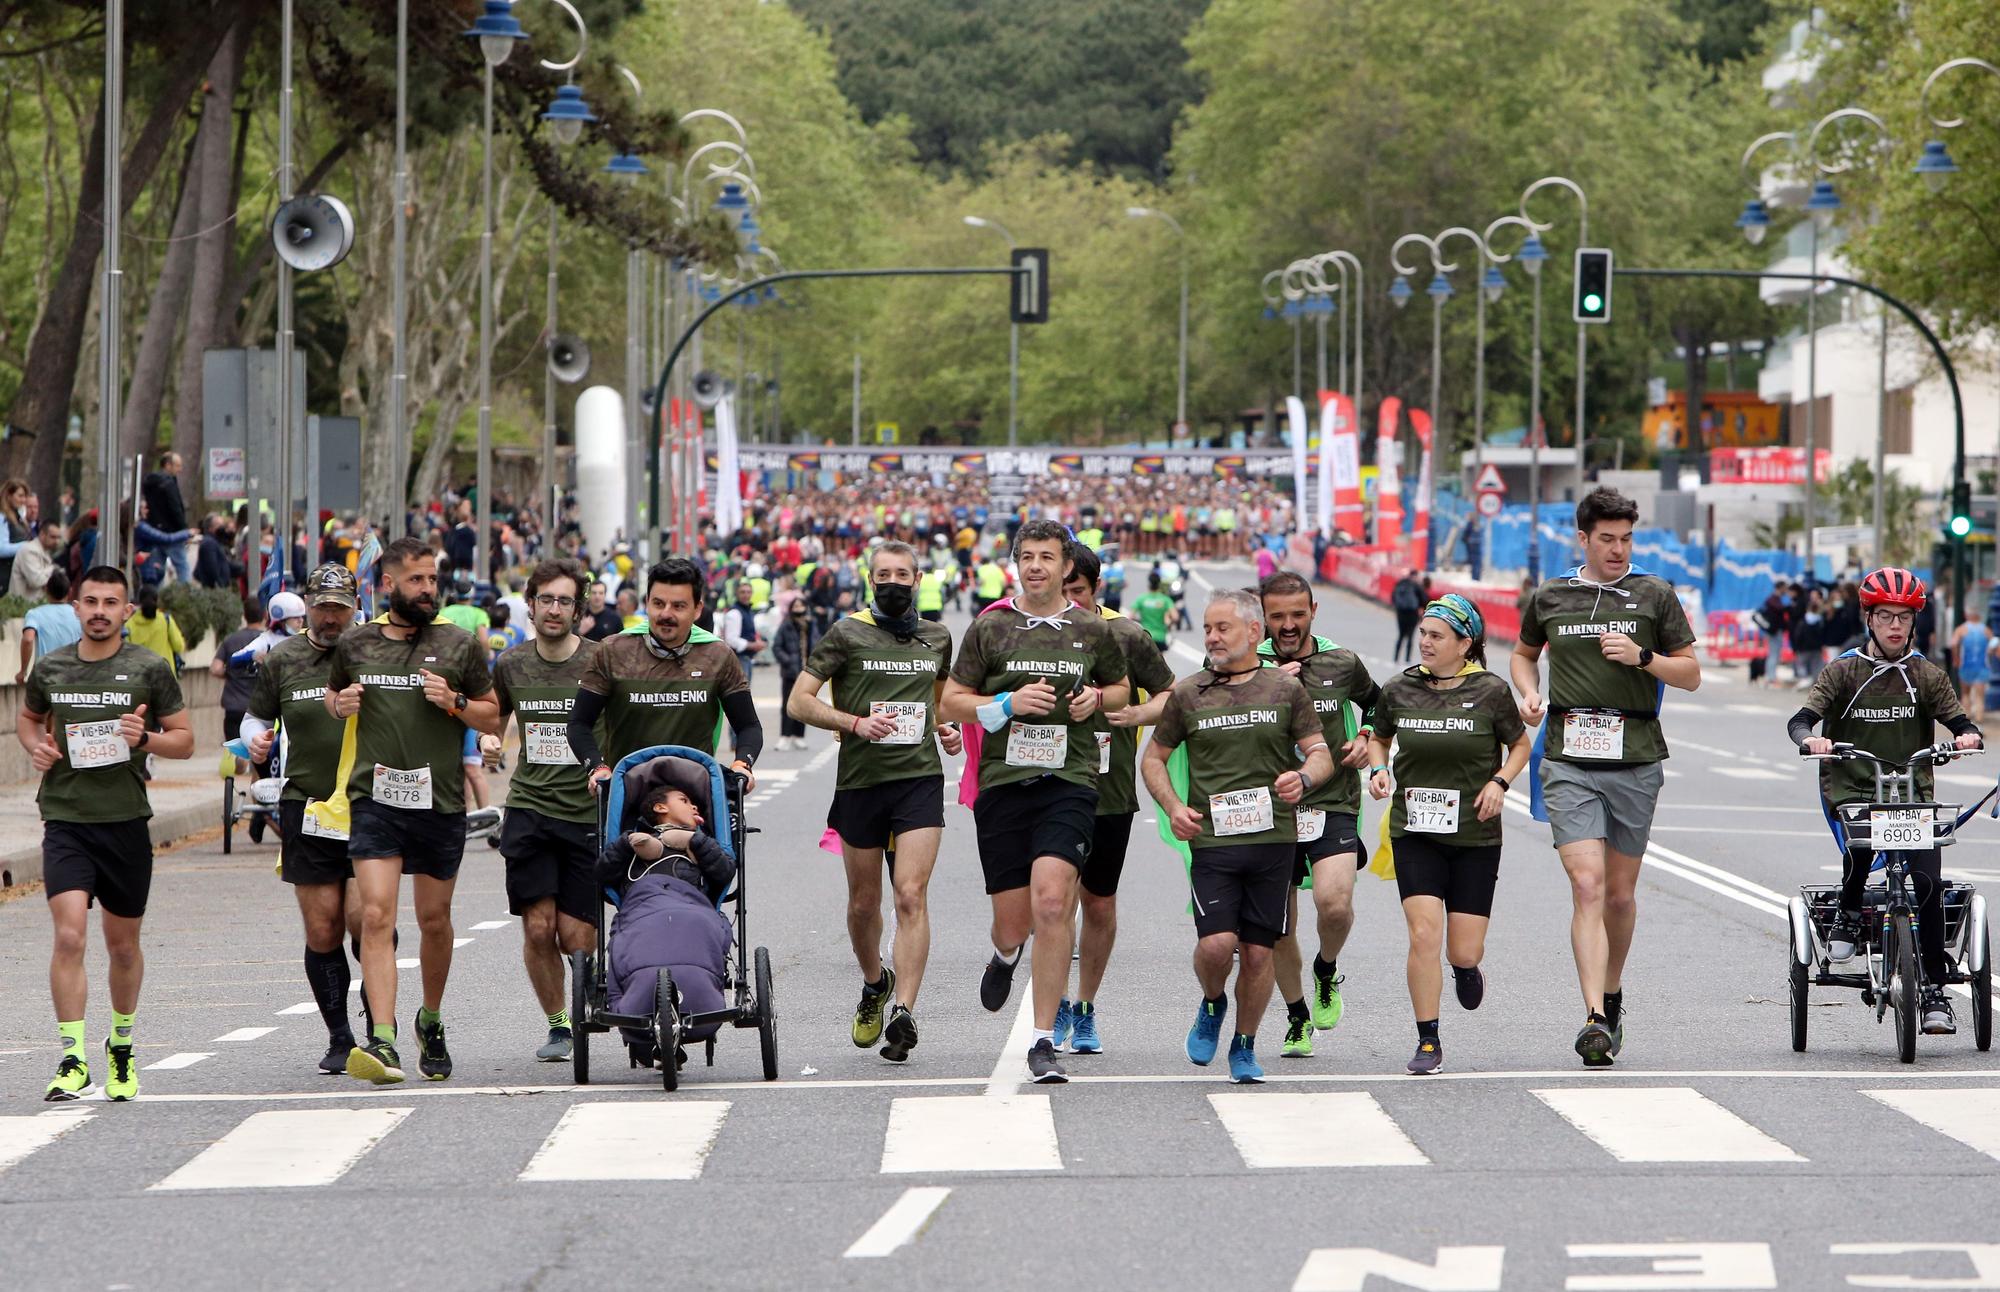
[1934, 755]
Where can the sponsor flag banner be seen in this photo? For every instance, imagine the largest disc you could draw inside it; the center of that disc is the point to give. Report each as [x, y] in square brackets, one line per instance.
[1420, 524]
[1295, 412]
[1388, 481]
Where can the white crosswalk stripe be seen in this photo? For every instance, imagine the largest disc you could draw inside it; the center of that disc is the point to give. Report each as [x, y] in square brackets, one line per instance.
[21, 1136]
[1664, 1124]
[624, 1141]
[1972, 1117]
[1321, 1130]
[295, 1148]
[971, 1133]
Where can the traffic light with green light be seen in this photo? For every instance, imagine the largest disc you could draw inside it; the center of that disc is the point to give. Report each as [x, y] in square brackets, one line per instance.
[1959, 524]
[1593, 285]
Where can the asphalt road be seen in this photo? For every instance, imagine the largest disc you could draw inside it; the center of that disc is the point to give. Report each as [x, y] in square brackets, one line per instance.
[1710, 1156]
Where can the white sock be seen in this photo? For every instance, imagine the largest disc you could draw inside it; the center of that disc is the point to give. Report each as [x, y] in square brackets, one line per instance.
[1009, 957]
[1041, 1036]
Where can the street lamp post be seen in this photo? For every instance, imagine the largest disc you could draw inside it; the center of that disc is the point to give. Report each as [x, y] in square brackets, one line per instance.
[1349, 261]
[497, 32]
[1532, 256]
[110, 317]
[1439, 291]
[1013, 340]
[1582, 331]
[1180, 401]
[567, 115]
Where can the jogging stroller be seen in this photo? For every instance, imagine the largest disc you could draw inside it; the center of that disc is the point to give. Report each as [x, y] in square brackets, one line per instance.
[658, 1026]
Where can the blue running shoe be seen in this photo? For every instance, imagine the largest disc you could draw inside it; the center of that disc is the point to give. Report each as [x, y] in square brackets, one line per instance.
[1206, 1033]
[1243, 1068]
[1083, 1037]
[1065, 1020]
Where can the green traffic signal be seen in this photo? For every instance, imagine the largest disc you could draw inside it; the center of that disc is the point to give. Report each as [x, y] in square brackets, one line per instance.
[1961, 526]
[1592, 302]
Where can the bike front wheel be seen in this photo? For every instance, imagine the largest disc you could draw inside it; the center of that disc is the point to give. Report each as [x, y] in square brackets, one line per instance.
[1902, 962]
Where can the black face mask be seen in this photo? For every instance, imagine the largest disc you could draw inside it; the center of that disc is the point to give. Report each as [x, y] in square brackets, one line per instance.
[411, 612]
[895, 599]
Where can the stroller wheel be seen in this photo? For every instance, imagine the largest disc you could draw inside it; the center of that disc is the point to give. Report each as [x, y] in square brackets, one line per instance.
[580, 971]
[667, 1030]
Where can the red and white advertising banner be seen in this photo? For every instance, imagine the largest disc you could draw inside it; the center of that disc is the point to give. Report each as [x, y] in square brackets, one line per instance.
[1772, 466]
[1420, 525]
[1340, 467]
[1388, 483]
[1295, 412]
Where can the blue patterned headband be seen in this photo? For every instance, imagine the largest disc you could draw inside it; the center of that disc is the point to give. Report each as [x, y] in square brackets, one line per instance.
[1459, 613]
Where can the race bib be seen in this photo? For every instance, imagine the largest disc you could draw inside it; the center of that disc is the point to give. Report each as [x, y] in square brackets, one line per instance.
[1312, 824]
[1594, 735]
[96, 744]
[1103, 752]
[547, 744]
[312, 827]
[1241, 812]
[1045, 745]
[1899, 829]
[908, 715]
[409, 790]
[1430, 811]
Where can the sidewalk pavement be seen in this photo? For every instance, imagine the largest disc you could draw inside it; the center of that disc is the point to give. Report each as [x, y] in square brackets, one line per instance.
[186, 797]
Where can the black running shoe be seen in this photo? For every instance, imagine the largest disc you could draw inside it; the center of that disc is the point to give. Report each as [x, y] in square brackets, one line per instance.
[1593, 1044]
[996, 982]
[337, 1050]
[899, 1034]
[1042, 1065]
[433, 1060]
[1938, 1020]
[1470, 985]
[1428, 1059]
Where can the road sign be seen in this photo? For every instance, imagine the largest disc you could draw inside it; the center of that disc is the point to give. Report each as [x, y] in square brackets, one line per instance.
[1029, 300]
[1490, 504]
[1489, 480]
[886, 432]
[225, 473]
[1843, 536]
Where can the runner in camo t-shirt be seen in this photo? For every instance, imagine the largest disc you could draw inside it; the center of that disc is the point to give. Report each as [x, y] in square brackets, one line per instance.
[1617, 639]
[1247, 729]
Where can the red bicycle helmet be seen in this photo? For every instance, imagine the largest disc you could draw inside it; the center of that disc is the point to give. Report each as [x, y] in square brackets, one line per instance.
[1892, 586]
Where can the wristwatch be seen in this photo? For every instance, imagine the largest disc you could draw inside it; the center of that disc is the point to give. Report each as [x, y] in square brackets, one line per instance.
[1500, 780]
[458, 702]
[1645, 657]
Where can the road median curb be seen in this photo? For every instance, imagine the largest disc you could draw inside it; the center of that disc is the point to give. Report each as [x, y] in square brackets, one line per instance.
[21, 865]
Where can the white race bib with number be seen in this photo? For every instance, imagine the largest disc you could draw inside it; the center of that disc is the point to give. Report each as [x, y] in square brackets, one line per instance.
[1594, 735]
[313, 828]
[1312, 824]
[546, 744]
[96, 744]
[1430, 811]
[1044, 745]
[396, 788]
[1241, 812]
[909, 717]
[1899, 829]
[1103, 753]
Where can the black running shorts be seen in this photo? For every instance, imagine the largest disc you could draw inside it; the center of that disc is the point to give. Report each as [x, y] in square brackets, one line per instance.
[549, 857]
[869, 816]
[1243, 890]
[430, 842]
[1462, 878]
[309, 859]
[1342, 834]
[110, 860]
[1107, 854]
[1044, 817]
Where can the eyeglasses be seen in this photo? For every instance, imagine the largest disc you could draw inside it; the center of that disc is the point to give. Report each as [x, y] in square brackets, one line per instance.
[547, 602]
[1895, 618]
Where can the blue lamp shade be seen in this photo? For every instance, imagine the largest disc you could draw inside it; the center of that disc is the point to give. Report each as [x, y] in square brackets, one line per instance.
[1440, 288]
[496, 30]
[627, 167]
[568, 114]
[1400, 292]
[711, 293]
[1532, 254]
[1755, 220]
[733, 204]
[1823, 202]
[1294, 309]
[747, 229]
[1269, 313]
[1936, 165]
[1493, 282]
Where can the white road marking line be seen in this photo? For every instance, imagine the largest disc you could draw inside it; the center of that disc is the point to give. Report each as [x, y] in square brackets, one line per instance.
[312, 1006]
[1783, 834]
[1972, 1117]
[1011, 1068]
[244, 1034]
[456, 943]
[1664, 1124]
[1728, 877]
[21, 1136]
[1960, 778]
[1742, 707]
[1674, 863]
[408, 962]
[287, 1150]
[1287, 1130]
[1343, 1269]
[778, 775]
[173, 1061]
[934, 1133]
[487, 926]
[900, 1223]
[1187, 652]
[1756, 774]
[1706, 808]
[610, 1141]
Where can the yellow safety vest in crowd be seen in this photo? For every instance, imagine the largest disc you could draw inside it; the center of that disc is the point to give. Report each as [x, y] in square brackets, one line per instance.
[1092, 538]
[930, 591]
[760, 594]
[802, 577]
[992, 581]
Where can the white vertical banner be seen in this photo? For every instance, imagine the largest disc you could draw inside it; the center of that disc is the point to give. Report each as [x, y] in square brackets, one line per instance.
[728, 480]
[1295, 410]
[1329, 421]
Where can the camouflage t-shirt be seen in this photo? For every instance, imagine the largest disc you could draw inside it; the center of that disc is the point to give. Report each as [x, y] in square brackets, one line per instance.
[99, 777]
[1240, 738]
[291, 691]
[1118, 747]
[868, 666]
[1449, 743]
[1612, 708]
[653, 698]
[1004, 650]
[1342, 694]
[548, 779]
[418, 747]
[1872, 706]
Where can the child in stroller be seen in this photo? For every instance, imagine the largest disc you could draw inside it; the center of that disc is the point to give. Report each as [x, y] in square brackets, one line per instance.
[668, 875]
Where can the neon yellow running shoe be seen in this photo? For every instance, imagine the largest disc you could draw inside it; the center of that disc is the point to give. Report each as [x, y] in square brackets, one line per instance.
[1326, 1003]
[1298, 1038]
[121, 1078]
[72, 1079]
[868, 1014]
